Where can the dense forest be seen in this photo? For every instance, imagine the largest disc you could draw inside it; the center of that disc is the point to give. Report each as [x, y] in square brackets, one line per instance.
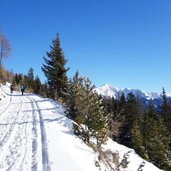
[145, 128]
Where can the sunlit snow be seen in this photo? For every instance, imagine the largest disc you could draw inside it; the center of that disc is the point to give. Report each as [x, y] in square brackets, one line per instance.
[35, 135]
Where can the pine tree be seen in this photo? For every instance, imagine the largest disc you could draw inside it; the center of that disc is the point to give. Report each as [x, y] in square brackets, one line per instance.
[130, 114]
[45, 90]
[166, 115]
[30, 74]
[37, 85]
[18, 78]
[55, 70]
[166, 110]
[158, 145]
[156, 141]
[122, 104]
[75, 85]
[137, 138]
[30, 78]
[95, 120]
[86, 109]
[117, 109]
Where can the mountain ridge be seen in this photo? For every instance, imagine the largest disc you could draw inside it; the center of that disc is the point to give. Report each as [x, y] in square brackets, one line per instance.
[107, 90]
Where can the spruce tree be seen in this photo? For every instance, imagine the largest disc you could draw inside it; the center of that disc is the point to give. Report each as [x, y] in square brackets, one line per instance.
[74, 87]
[86, 109]
[166, 115]
[30, 78]
[122, 104]
[16, 78]
[37, 85]
[45, 90]
[156, 141]
[117, 109]
[137, 138]
[31, 73]
[96, 119]
[55, 70]
[130, 114]
[166, 111]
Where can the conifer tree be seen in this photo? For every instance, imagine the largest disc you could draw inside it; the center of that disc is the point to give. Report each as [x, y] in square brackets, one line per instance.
[45, 90]
[55, 70]
[122, 104]
[30, 78]
[95, 120]
[37, 85]
[166, 111]
[30, 74]
[156, 141]
[137, 138]
[75, 85]
[20, 78]
[117, 109]
[130, 115]
[166, 115]
[86, 109]
[17, 79]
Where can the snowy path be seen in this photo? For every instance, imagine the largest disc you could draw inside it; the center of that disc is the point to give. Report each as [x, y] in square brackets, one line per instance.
[23, 144]
[35, 135]
[35, 107]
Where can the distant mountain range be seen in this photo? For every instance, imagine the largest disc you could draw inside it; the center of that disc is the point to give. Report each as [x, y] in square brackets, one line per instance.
[109, 91]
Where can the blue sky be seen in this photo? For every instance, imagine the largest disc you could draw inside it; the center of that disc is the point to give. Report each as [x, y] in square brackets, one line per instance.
[126, 43]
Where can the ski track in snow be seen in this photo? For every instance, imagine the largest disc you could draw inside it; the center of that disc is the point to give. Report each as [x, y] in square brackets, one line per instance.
[21, 129]
[45, 158]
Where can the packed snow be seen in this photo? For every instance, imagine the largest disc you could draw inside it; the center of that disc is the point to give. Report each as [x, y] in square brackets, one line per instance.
[36, 135]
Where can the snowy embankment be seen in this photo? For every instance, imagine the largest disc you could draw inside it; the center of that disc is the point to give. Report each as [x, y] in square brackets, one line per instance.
[36, 135]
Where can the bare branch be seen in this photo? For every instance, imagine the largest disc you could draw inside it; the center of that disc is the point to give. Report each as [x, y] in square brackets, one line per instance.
[5, 48]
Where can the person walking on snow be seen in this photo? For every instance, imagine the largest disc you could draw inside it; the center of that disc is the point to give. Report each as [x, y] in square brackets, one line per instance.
[22, 89]
[11, 88]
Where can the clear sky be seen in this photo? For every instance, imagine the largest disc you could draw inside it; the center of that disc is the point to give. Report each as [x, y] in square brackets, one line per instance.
[126, 43]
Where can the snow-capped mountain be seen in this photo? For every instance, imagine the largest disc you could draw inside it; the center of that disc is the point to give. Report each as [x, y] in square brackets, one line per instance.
[109, 91]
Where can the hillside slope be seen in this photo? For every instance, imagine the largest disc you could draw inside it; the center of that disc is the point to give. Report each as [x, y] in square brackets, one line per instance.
[36, 135]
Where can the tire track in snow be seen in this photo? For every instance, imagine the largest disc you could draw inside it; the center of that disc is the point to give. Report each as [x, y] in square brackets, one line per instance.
[10, 127]
[14, 144]
[4, 106]
[34, 164]
[27, 143]
[45, 156]
[7, 128]
[15, 141]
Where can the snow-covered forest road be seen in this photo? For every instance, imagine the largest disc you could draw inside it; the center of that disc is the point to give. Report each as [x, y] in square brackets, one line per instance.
[23, 143]
[35, 135]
